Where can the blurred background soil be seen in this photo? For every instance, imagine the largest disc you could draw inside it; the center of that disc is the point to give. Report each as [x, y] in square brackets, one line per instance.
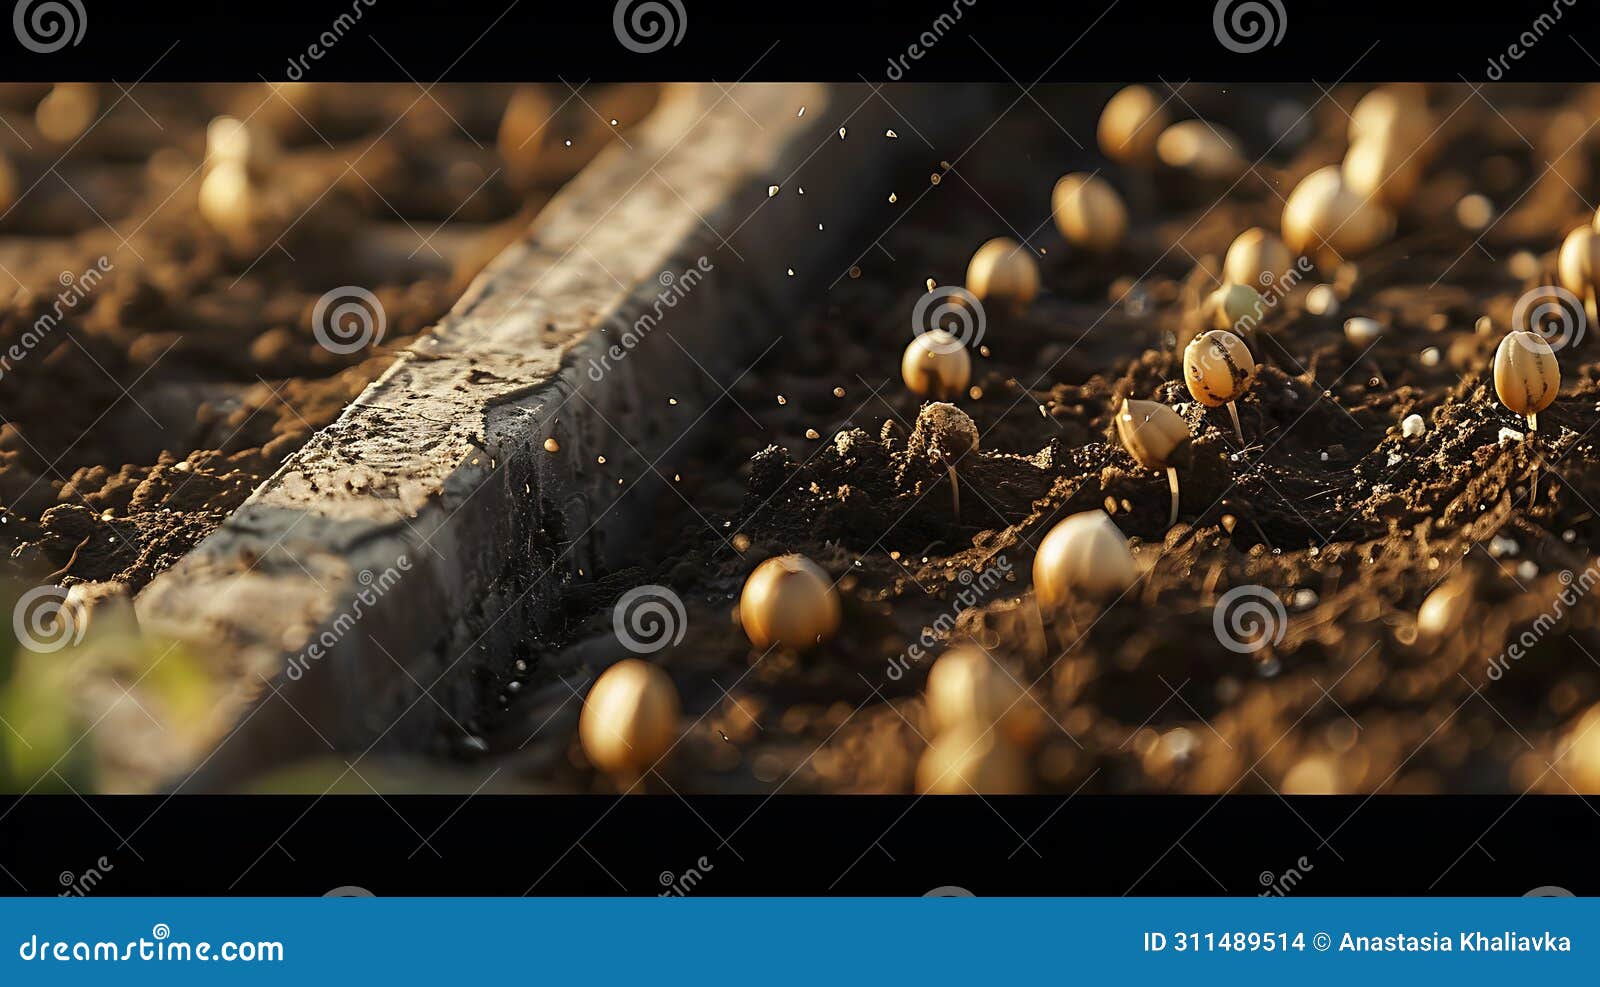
[157, 368]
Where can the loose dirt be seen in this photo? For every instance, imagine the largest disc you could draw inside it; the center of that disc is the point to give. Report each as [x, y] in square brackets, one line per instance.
[1328, 509]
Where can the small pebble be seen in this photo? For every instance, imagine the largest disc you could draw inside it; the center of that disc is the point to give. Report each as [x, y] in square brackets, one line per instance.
[1363, 331]
[1413, 426]
[1527, 570]
[1430, 356]
[1474, 211]
[1509, 435]
[1524, 265]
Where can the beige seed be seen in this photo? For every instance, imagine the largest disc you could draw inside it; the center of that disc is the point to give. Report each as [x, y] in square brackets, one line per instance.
[1445, 608]
[1131, 124]
[1003, 271]
[551, 445]
[231, 139]
[1578, 757]
[8, 183]
[971, 759]
[630, 718]
[1152, 433]
[1156, 437]
[1087, 554]
[66, 111]
[1256, 257]
[935, 364]
[1218, 368]
[968, 687]
[1235, 307]
[1382, 169]
[1089, 212]
[1206, 151]
[227, 200]
[1398, 112]
[1324, 218]
[1578, 266]
[789, 602]
[1526, 374]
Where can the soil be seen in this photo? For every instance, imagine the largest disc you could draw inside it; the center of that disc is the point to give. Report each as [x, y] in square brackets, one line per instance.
[157, 371]
[1329, 507]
